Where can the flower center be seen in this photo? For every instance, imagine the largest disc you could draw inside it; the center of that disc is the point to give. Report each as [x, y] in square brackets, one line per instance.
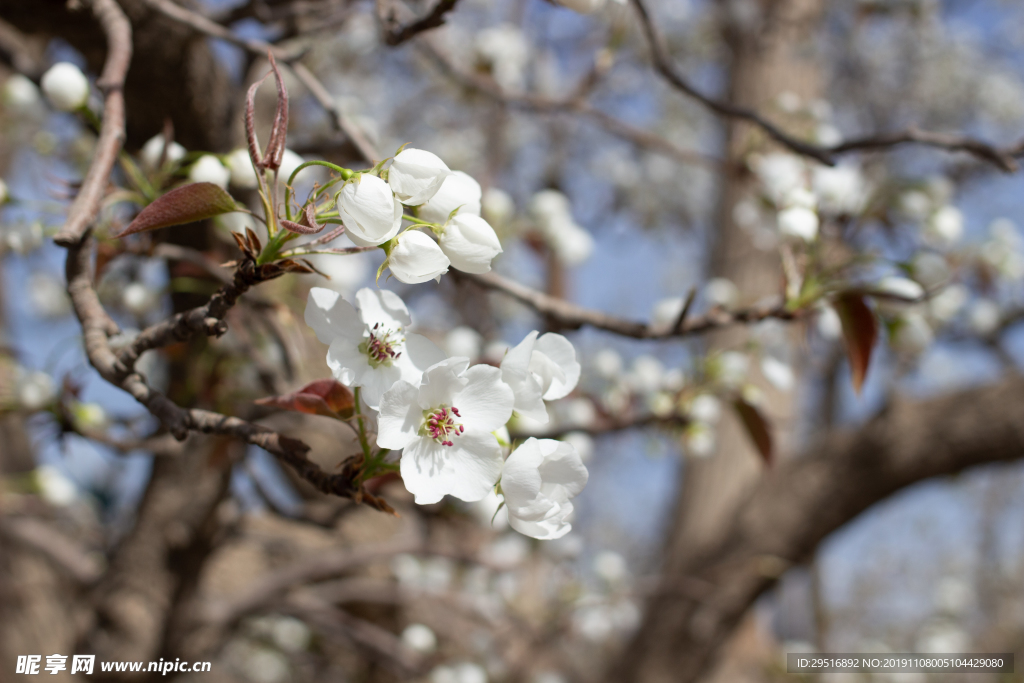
[381, 347]
[440, 424]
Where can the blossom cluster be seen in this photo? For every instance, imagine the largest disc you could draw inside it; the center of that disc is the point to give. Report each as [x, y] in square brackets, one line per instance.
[445, 414]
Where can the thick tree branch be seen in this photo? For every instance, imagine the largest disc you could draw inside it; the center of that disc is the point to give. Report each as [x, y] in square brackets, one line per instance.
[86, 207]
[571, 316]
[799, 503]
[1002, 158]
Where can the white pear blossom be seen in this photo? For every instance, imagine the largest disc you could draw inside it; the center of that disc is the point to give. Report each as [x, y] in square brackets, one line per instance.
[931, 269]
[415, 258]
[458, 191]
[208, 169]
[150, 153]
[946, 225]
[444, 427]
[469, 243]
[780, 375]
[20, 94]
[705, 408]
[840, 189]
[780, 173]
[912, 334]
[35, 390]
[370, 347]
[537, 481]
[506, 51]
[720, 291]
[945, 305]
[243, 175]
[984, 317]
[497, 206]
[538, 369]
[419, 638]
[464, 341]
[608, 363]
[369, 210]
[798, 221]
[553, 215]
[416, 175]
[65, 86]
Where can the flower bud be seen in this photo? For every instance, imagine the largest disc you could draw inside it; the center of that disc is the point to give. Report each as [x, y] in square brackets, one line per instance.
[208, 169]
[65, 86]
[371, 214]
[416, 175]
[20, 94]
[470, 243]
[154, 147]
[243, 175]
[416, 258]
[458, 191]
[798, 221]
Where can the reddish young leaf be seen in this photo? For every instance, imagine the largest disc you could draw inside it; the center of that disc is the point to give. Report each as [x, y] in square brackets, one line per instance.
[757, 427]
[326, 397]
[860, 329]
[185, 204]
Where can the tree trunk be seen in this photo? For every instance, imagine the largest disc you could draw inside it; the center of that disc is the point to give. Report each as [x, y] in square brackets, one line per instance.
[772, 54]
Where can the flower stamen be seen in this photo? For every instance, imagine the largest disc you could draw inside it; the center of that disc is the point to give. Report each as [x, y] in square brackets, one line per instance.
[440, 425]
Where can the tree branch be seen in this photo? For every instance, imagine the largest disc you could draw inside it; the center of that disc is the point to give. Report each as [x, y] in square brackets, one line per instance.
[571, 316]
[396, 34]
[86, 207]
[800, 502]
[1002, 158]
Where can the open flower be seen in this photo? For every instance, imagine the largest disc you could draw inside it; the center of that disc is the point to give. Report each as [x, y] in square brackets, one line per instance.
[444, 426]
[538, 370]
[470, 243]
[458, 191]
[369, 346]
[416, 175]
[413, 258]
[368, 209]
[537, 481]
[65, 86]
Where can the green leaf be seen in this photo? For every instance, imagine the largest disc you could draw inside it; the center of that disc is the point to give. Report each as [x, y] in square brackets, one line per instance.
[860, 329]
[186, 204]
[757, 427]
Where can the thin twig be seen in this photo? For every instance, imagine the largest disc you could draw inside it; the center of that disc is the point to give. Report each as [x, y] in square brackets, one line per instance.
[571, 316]
[1002, 158]
[396, 34]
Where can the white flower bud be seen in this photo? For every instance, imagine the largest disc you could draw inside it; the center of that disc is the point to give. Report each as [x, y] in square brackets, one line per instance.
[722, 292]
[984, 317]
[416, 175]
[470, 243]
[458, 191]
[416, 258]
[912, 335]
[946, 225]
[608, 363]
[55, 488]
[208, 169]
[666, 311]
[20, 94]
[419, 638]
[828, 324]
[945, 305]
[138, 299]
[778, 374]
[463, 341]
[243, 175]
[699, 440]
[150, 154]
[289, 162]
[35, 391]
[65, 86]
[930, 269]
[900, 287]
[705, 408]
[798, 221]
[370, 212]
[915, 204]
[840, 189]
[497, 206]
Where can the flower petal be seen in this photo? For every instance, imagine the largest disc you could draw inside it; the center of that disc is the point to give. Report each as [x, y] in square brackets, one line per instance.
[561, 352]
[470, 243]
[458, 191]
[330, 316]
[442, 381]
[400, 416]
[384, 307]
[485, 403]
[417, 258]
[418, 354]
[467, 470]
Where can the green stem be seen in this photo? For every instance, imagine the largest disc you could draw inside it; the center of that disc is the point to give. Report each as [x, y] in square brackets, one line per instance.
[345, 173]
[417, 221]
